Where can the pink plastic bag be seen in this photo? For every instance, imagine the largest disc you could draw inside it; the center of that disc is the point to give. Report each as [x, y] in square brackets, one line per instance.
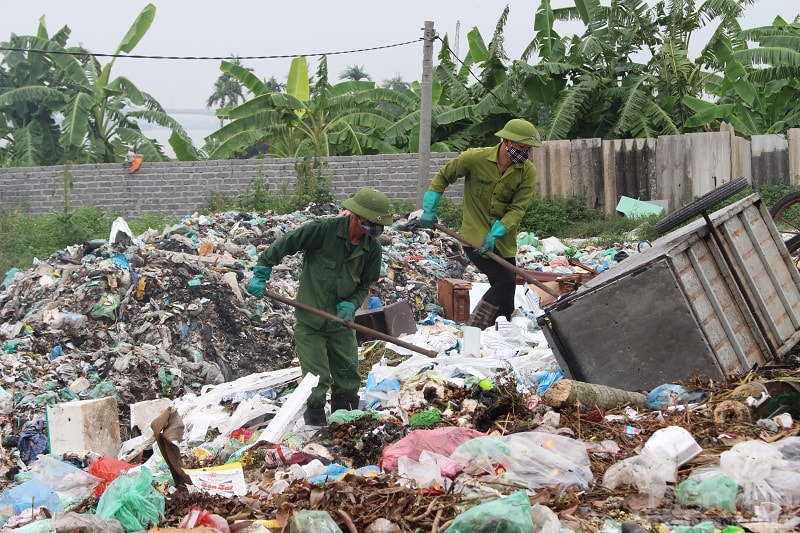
[440, 440]
[201, 517]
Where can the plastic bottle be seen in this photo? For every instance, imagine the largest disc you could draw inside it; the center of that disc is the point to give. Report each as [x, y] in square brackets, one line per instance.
[255, 316]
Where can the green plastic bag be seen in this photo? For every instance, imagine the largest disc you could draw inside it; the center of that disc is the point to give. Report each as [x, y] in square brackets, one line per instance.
[511, 514]
[717, 491]
[107, 307]
[702, 527]
[133, 501]
[307, 521]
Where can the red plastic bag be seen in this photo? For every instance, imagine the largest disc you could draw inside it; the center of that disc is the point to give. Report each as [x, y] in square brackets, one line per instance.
[108, 469]
[440, 440]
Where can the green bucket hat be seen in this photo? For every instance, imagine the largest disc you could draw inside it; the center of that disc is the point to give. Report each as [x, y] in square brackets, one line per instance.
[520, 131]
[371, 205]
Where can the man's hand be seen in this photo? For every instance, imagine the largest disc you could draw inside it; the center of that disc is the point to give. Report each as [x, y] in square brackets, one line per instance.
[345, 311]
[497, 231]
[257, 286]
[430, 202]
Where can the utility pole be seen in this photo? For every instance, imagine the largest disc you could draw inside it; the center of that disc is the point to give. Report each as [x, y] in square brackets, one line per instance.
[458, 33]
[423, 175]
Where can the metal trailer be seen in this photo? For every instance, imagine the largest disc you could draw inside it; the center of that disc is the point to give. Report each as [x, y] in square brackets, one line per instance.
[713, 298]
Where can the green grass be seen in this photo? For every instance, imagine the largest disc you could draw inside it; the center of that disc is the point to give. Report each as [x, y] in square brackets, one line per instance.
[25, 236]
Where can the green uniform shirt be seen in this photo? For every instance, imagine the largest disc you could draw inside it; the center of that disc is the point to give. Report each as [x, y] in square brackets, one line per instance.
[489, 195]
[331, 272]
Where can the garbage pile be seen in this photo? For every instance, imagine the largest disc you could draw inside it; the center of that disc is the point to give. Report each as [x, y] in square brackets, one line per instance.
[499, 441]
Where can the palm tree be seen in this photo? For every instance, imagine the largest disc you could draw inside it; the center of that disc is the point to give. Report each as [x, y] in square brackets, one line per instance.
[396, 84]
[354, 73]
[274, 86]
[227, 92]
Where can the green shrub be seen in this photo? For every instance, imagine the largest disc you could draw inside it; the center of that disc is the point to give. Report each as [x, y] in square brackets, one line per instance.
[554, 216]
[450, 213]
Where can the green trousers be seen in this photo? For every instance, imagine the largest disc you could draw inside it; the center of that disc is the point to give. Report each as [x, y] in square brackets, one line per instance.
[332, 354]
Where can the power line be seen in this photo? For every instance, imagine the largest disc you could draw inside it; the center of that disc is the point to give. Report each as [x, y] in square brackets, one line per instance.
[488, 89]
[215, 58]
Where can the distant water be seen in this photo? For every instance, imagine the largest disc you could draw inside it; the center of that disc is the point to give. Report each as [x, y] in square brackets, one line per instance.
[198, 123]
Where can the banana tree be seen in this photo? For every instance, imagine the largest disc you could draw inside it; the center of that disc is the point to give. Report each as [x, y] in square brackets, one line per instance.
[343, 119]
[101, 116]
[758, 92]
[30, 99]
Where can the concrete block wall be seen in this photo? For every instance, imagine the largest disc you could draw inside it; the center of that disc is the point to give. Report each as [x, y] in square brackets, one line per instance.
[676, 168]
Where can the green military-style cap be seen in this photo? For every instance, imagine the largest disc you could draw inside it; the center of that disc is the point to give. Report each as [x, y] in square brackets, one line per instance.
[520, 130]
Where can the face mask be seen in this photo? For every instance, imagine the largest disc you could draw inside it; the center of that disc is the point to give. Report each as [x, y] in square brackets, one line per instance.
[372, 229]
[516, 156]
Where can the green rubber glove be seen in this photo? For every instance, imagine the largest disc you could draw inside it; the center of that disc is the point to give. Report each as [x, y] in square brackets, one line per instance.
[345, 311]
[430, 202]
[257, 286]
[497, 231]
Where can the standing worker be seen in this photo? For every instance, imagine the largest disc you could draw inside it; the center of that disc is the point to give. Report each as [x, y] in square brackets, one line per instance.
[499, 183]
[342, 260]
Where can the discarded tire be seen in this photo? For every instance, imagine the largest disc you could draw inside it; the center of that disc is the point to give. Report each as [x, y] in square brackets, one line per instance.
[701, 205]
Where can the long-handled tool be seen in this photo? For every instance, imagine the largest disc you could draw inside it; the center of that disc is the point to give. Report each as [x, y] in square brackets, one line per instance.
[524, 274]
[351, 325]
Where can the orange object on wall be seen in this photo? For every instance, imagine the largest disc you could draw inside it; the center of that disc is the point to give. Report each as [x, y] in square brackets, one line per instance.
[136, 162]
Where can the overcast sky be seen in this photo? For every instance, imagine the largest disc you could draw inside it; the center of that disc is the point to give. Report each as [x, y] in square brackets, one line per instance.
[261, 28]
[267, 28]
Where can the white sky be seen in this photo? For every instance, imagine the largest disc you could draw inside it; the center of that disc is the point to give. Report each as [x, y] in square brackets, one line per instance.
[268, 28]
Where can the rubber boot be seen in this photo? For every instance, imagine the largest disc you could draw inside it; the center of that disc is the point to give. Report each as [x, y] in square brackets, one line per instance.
[484, 315]
[347, 402]
[315, 416]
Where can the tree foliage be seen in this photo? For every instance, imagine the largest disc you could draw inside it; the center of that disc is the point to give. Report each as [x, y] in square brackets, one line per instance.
[59, 103]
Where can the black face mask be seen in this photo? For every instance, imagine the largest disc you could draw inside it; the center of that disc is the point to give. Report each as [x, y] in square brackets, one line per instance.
[372, 229]
[516, 156]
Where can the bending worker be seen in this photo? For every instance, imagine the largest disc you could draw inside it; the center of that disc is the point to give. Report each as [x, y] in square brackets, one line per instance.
[342, 260]
[499, 183]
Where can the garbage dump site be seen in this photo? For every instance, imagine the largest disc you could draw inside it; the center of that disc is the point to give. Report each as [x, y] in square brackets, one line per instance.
[143, 389]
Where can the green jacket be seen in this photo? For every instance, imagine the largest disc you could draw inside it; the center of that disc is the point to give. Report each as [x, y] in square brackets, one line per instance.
[489, 195]
[331, 272]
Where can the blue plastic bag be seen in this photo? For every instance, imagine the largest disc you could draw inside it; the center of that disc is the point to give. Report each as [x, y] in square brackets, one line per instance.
[32, 493]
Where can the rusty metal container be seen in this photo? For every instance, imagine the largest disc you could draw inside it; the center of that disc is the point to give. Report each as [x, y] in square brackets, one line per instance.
[453, 296]
[713, 298]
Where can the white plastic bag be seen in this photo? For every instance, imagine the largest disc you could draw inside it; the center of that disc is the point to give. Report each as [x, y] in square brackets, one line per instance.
[532, 459]
[766, 472]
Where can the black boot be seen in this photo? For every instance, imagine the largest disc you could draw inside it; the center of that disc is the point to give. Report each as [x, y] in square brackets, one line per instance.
[315, 416]
[348, 402]
[484, 315]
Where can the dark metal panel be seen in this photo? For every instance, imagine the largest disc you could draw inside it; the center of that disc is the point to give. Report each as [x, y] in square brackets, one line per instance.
[635, 333]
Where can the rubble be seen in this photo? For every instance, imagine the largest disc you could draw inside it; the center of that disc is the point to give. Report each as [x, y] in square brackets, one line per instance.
[164, 315]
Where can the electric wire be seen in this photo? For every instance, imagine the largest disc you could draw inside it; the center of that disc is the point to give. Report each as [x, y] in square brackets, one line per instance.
[215, 58]
[499, 101]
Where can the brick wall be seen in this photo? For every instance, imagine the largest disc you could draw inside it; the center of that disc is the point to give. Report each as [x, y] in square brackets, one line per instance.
[179, 188]
[676, 168]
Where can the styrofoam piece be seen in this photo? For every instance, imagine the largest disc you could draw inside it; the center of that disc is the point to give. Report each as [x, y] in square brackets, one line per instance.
[252, 382]
[673, 442]
[142, 413]
[290, 410]
[247, 410]
[91, 425]
[471, 341]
